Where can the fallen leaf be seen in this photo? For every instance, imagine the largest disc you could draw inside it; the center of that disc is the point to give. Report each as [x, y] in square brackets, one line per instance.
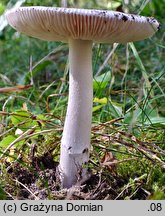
[109, 161]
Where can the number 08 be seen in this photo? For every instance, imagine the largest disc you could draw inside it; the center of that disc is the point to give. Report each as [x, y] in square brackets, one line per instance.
[155, 206]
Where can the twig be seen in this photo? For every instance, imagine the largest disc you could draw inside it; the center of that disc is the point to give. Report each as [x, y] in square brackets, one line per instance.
[110, 163]
[36, 198]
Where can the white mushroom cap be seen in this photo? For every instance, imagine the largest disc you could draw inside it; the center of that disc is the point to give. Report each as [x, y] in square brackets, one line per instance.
[61, 24]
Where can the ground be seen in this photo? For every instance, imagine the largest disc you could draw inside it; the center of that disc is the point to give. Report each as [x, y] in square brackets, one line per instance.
[121, 167]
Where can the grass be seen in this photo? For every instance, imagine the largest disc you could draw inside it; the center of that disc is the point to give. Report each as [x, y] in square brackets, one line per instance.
[128, 131]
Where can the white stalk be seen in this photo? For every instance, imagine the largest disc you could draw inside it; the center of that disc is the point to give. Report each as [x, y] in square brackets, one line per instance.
[75, 144]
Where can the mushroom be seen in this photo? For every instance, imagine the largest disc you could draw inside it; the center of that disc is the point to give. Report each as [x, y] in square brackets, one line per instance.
[79, 28]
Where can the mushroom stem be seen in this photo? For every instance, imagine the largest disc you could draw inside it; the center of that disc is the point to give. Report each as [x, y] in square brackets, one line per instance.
[75, 144]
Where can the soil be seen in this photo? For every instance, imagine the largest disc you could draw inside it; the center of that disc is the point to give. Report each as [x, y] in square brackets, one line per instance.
[39, 180]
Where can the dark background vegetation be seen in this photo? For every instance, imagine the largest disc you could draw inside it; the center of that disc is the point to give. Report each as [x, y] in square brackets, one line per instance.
[130, 86]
